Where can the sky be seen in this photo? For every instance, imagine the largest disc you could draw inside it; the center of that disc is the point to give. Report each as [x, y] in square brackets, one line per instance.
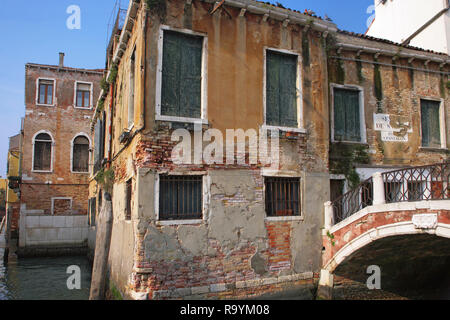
[36, 31]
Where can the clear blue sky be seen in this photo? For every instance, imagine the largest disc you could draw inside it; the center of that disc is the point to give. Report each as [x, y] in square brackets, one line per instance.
[35, 31]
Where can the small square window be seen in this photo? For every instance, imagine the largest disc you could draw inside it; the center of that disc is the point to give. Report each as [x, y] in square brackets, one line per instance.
[180, 198]
[83, 95]
[45, 94]
[283, 197]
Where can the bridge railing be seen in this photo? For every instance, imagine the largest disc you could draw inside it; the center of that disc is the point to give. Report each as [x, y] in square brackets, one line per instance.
[418, 183]
[410, 184]
[353, 201]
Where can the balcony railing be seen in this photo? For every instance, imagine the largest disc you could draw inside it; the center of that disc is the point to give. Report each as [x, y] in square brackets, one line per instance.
[410, 184]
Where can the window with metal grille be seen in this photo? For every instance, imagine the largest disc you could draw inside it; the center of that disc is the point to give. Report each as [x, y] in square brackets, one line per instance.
[347, 115]
[83, 95]
[45, 94]
[283, 197]
[128, 200]
[42, 158]
[80, 162]
[180, 197]
[181, 75]
[281, 89]
[431, 124]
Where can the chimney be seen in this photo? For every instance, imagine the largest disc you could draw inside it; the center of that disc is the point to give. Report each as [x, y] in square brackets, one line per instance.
[61, 59]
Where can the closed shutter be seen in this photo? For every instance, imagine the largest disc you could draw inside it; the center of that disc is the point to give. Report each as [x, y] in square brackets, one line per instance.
[431, 128]
[347, 123]
[181, 80]
[281, 90]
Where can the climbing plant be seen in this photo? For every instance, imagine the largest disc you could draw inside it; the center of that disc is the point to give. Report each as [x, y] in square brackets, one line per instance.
[105, 178]
[343, 160]
[112, 73]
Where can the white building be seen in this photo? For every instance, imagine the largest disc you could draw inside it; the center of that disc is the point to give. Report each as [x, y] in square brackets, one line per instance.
[420, 23]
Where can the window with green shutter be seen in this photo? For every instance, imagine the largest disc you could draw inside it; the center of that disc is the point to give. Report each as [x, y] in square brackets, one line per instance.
[281, 89]
[181, 75]
[431, 127]
[347, 115]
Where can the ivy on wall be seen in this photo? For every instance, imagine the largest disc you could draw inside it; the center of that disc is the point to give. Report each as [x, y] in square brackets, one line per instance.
[343, 159]
[105, 178]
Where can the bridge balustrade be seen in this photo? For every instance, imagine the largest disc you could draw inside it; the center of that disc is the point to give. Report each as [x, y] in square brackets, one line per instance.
[423, 183]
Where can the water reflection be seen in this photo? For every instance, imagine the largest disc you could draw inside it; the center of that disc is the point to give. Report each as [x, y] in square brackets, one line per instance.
[43, 279]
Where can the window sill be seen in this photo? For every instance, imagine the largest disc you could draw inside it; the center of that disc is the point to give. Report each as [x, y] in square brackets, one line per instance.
[285, 129]
[350, 142]
[179, 222]
[41, 171]
[281, 219]
[83, 108]
[181, 119]
[438, 150]
[45, 105]
[76, 172]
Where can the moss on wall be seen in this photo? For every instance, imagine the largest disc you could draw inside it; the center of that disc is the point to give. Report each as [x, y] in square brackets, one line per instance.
[359, 69]
[378, 88]
[157, 8]
[305, 49]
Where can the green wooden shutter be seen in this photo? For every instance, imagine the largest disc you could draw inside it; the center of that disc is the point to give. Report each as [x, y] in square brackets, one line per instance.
[281, 90]
[431, 127]
[347, 123]
[272, 89]
[288, 91]
[181, 80]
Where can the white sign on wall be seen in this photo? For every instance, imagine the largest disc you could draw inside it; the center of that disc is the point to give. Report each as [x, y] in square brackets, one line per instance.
[391, 131]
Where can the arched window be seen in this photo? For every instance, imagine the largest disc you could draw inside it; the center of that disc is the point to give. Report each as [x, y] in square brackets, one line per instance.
[80, 160]
[42, 152]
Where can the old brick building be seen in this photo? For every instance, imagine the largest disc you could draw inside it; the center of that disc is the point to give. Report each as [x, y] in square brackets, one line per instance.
[222, 229]
[55, 159]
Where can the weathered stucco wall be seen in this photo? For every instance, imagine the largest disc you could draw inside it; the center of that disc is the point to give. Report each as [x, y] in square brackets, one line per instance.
[394, 90]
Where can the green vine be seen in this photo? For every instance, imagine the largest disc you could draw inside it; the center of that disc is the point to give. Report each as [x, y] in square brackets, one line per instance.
[104, 84]
[105, 178]
[360, 74]
[112, 74]
[331, 237]
[448, 85]
[345, 157]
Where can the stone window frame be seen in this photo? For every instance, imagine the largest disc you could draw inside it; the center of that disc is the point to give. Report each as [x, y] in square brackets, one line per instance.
[206, 198]
[362, 115]
[91, 98]
[51, 155]
[80, 134]
[60, 198]
[442, 122]
[54, 92]
[268, 173]
[300, 117]
[204, 85]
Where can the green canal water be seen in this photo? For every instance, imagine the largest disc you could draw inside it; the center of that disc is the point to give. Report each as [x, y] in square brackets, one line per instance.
[43, 279]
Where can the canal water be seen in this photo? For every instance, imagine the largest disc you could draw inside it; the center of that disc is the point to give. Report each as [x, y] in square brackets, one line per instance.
[43, 279]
